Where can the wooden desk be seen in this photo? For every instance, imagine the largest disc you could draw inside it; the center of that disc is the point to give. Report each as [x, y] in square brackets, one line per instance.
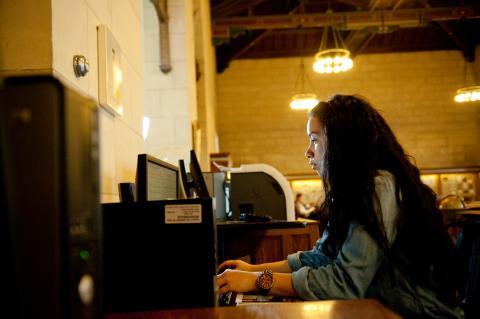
[331, 309]
[264, 242]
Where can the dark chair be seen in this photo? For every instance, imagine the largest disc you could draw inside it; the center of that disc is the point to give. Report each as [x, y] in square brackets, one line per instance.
[468, 245]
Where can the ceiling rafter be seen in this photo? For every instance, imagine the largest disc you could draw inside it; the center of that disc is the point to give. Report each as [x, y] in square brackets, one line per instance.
[251, 43]
[468, 51]
[266, 30]
[240, 45]
[234, 7]
[357, 40]
[216, 9]
[353, 20]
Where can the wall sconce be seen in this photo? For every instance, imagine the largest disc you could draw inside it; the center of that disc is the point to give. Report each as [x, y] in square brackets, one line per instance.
[81, 65]
[109, 71]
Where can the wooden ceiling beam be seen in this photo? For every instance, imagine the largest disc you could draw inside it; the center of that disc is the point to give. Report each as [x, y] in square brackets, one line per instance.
[355, 3]
[237, 47]
[357, 40]
[468, 51]
[234, 7]
[222, 6]
[355, 20]
[362, 39]
[251, 44]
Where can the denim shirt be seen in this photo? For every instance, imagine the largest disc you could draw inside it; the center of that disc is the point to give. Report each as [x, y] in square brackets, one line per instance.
[360, 271]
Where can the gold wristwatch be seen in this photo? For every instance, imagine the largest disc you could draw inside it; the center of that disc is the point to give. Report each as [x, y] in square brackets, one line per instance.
[264, 281]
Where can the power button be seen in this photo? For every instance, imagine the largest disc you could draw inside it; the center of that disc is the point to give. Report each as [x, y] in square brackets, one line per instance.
[86, 289]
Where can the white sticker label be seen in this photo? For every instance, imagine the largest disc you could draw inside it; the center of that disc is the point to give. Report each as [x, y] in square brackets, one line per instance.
[183, 214]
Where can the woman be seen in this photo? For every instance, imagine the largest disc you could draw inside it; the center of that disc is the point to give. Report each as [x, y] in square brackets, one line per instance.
[302, 209]
[385, 238]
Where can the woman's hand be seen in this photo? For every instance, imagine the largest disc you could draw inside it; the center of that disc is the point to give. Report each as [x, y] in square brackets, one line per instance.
[235, 264]
[236, 280]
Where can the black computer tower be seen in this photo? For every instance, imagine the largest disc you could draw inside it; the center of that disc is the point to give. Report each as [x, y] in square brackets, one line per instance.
[50, 202]
[159, 255]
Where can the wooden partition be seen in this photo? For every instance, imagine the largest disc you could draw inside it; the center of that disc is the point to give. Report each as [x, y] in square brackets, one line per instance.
[265, 242]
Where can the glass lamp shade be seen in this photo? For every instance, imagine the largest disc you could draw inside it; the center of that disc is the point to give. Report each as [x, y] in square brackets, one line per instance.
[332, 61]
[468, 94]
[303, 101]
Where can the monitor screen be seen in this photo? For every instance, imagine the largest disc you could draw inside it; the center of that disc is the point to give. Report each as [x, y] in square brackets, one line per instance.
[194, 187]
[156, 179]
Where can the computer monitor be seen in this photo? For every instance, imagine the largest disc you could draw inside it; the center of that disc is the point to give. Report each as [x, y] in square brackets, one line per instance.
[155, 179]
[185, 181]
[194, 187]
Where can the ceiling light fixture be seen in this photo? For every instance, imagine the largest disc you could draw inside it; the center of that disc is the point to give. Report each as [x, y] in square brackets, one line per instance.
[303, 100]
[332, 60]
[468, 93]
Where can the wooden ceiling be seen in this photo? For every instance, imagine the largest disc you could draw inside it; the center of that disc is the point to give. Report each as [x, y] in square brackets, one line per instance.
[254, 29]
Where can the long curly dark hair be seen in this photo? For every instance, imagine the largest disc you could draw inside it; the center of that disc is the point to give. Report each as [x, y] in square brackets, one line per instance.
[359, 143]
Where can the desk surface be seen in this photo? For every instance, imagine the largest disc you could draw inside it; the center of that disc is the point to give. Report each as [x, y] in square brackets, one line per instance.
[262, 225]
[331, 309]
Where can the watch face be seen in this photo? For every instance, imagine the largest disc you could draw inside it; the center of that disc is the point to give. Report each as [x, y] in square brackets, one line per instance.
[264, 281]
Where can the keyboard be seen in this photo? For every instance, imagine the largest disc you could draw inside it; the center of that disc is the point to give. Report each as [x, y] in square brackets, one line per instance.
[254, 218]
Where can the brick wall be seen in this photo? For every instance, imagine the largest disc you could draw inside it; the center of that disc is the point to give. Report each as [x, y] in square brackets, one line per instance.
[41, 37]
[170, 99]
[414, 92]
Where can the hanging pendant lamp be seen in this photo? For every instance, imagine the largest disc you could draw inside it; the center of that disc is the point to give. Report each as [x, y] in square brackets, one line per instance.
[468, 93]
[332, 58]
[303, 100]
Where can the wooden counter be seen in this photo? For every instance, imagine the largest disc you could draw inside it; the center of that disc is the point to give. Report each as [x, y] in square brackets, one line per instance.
[331, 309]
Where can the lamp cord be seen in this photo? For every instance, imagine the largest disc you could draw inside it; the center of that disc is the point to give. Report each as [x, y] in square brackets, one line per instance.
[302, 74]
[465, 71]
[337, 38]
[474, 73]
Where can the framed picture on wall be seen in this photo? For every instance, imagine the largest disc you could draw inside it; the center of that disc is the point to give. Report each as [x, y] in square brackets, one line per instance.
[109, 71]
